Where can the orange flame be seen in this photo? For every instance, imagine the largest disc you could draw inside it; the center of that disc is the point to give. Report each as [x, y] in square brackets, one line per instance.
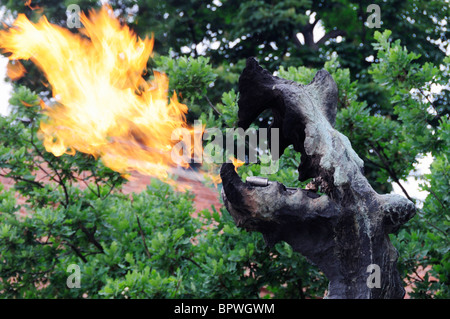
[236, 162]
[215, 179]
[15, 70]
[28, 4]
[104, 107]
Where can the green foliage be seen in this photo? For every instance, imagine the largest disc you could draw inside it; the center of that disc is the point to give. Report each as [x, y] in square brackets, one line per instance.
[149, 245]
[425, 241]
[190, 78]
[228, 112]
[399, 72]
[126, 249]
[422, 128]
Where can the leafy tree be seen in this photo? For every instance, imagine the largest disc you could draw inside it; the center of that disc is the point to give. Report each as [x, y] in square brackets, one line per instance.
[150, 246]
[268, 29]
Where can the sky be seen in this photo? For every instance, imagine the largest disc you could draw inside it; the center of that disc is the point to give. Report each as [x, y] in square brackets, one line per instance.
[411, 184]
[5, 88]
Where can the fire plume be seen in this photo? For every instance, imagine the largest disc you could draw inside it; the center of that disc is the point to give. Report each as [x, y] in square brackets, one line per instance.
[15, 70]
[236, 162]
[103, 106]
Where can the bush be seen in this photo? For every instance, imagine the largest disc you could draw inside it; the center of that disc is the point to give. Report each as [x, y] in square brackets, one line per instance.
[148, 246]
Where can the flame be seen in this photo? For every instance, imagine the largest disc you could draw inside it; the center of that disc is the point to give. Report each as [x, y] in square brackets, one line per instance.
[236, 162]
[15, 70]
[28, 4]
[36, 8]
[104, 106]
[215, 178]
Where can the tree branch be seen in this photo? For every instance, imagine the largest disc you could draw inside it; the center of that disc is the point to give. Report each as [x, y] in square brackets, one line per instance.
[192, 261]
[212, 106]
[141, 232]
[23, 179]
[378, 150]
[77, 252]
[60, 182]
[435, 196]
[90, 236]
